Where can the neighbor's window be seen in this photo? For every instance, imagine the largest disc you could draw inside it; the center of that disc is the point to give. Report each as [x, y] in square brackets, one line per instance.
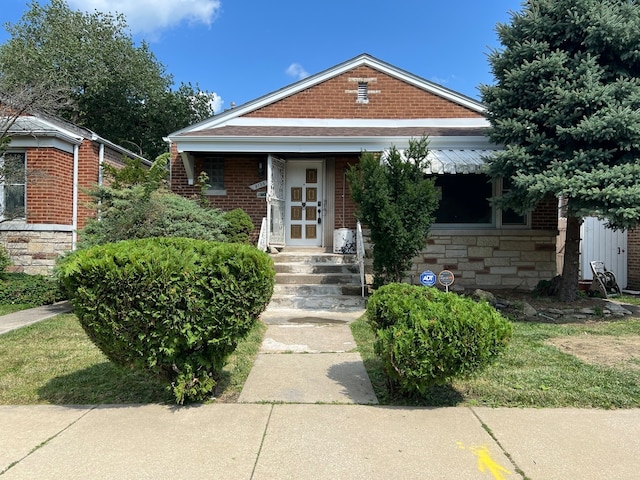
[13, 183]
[214, 168]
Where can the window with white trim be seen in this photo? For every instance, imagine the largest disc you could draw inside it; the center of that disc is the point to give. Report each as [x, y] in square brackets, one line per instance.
[13, 184]
[214, 168]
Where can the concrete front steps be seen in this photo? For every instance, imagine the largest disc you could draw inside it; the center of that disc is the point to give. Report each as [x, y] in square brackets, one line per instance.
[312, 279]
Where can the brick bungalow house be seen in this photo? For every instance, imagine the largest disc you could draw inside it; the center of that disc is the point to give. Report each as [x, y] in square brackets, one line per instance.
[44, 204]
[282, 158]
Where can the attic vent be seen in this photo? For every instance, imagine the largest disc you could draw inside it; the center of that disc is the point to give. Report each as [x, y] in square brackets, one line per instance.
[363, 92]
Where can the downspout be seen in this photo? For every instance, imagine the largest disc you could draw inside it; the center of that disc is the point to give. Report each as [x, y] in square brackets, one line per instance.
[170, 144]
[74, 218]
[100, 164]
[100, 174]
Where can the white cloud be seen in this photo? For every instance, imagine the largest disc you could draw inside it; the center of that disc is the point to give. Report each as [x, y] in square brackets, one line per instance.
[297, 71]
[149, 17]
[443, 80]
[216, 102]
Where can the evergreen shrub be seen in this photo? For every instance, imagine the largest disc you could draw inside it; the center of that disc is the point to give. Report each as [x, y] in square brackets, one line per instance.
[239, 226]
[5, 261]
[175, 307]
[36, 290]
[426, 337]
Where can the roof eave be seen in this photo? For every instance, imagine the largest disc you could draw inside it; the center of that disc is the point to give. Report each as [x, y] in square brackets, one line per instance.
[318, 144]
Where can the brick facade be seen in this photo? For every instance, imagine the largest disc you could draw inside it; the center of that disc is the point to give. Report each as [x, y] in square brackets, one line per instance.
[49, 186]
[633, 259]
[335, 98]
[34, 243]
[240, 171]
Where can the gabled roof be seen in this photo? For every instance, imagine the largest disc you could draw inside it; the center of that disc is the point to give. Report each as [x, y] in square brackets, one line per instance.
[228, 117]
[49, 126]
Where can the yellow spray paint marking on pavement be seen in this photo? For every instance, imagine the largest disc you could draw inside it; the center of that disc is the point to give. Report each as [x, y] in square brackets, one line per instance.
[486, 463]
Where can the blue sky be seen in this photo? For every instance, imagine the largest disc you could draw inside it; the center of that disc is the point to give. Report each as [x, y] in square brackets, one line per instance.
[243, 49]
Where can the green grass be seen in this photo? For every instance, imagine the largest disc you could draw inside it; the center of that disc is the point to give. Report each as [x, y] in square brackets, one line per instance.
[531, 373]
[632, 299]
[54, 362]
[10, 308]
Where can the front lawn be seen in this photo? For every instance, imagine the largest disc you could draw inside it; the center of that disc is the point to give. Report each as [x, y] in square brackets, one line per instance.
[55, 362]
[537, 370]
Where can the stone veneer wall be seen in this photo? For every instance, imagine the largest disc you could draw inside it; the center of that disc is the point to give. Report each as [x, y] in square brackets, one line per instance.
[35, 252]
[490, 259]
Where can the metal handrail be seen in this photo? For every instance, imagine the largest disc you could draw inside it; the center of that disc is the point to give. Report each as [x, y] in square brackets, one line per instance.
[360, 254]
[262, 238]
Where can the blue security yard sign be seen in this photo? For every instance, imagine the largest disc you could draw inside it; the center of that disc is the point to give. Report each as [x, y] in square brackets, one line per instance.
[428, 278]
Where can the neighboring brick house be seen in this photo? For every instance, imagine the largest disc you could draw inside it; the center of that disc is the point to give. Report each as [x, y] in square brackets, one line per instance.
[282, 158]
[44, 203]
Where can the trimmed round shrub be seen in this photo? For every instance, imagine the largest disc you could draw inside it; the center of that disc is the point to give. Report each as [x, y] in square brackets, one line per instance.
[175, 307]
[239, 226]
[426, 337]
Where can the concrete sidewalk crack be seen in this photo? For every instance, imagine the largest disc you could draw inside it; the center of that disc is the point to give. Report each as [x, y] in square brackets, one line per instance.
[45, 442]
[264, 435]
[487, 429]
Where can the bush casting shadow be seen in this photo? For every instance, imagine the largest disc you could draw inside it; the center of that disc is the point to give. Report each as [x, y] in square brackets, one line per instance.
[439, 396]
[104, 383]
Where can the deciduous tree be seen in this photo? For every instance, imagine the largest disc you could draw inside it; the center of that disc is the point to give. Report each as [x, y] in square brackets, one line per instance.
[111, 86]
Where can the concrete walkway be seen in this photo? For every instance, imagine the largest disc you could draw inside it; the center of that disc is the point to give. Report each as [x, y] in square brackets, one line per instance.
[308, 357]
[23, 318]
[330, 430]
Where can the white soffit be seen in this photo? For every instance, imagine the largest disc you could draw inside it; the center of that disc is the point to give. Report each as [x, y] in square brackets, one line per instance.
[480, 122]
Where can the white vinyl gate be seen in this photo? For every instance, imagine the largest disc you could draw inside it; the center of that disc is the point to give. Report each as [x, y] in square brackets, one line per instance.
[605, 244]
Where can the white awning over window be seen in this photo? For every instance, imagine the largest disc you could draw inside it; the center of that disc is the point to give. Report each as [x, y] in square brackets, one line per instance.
[454, 161]
[457, 161]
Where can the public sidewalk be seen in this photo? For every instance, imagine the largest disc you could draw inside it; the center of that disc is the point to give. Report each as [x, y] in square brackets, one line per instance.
[316, 441]
[308, 413]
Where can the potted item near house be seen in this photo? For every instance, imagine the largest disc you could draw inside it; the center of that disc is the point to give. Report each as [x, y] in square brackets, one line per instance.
[344, 241]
